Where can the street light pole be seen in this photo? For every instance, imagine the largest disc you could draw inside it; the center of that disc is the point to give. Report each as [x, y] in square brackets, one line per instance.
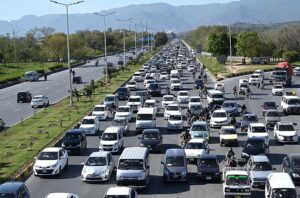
[142, 37]
[105, 51]
[15, 48]
[135, 37]
[68, 45]
[124, 40]
[230, 48]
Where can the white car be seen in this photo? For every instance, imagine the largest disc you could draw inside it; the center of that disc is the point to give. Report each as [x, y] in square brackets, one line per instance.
[164, 76]
[101, 112]
[194, 100]
[191, 68]
[296, 71]
[137, 76]
[151, 104]
[277, 90]
[135, 102]
[196, 147]
[254, 79]
[183, 97]
[40, 101]
[131, 85]
[61, 195]
[51, 161]
[148, 82]
[260, 72]
[124, 112]
[219, 118]
[121, 191]
[112, 139]
[90, 125]
[99, 166]
[176, 84]
[175, 121]
[285, 132]
[170, 109]
[166, 100]
[258, 130]
[220, 87]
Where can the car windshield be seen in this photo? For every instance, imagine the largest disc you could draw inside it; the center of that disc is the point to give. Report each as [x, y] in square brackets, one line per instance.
[296, 163]
[118, 122]
[96, 161]
[123, 109]
[144, 116]
[279, 73]
[175, 81]
[164, 73]
[259, 129]
[134, 100]
[172, 108]
[208, 162]
[153, 86]
[227, 104]
[219, 114]
[88, 121]
[168, 98]
[141, 93]
[131, 83]
[37, 97]
[147, 136]
[294, 102]
[286, 127]
[194, 145]
[131, 164]
[195, 100]
[122, 90]
[270, 104]
[109, 98]
[262, 166]
[228, 131]
[284, 193]
[149, 104]
[216, 96]
[7, 195]
[254, 76]
[175, 161]
[196, 107]
[254, 144]
[244, 86]
[72, 137]
[199, 127]
[198, 82]
[99, 109]
[250, 118]
[237, 180]
[278, 87]
[137, 74]
[175, 117]
[48, 156]
[183, 94]
[109, 136]
[273, 114]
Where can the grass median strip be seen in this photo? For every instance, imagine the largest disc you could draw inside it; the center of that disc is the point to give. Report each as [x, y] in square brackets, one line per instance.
[212, 65]
[20, 143]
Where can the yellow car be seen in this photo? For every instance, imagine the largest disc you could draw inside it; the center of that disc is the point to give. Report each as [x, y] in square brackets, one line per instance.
[228, 136]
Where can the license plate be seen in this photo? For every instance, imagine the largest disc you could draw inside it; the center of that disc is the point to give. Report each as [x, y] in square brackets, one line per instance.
[175, 176]
[44, 171]
[208, 177]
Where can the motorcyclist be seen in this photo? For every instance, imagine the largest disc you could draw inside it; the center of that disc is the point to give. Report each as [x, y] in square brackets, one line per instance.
[205, 77]
[45, 76]
[194, 74]
[244, 109]
[168, 90]
[235, 90]
[185, 137]
[230, 154]
[233, 121]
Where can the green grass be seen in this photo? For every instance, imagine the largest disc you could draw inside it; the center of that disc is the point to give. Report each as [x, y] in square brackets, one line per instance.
[212, 65]
[12, 70]
[15, 149]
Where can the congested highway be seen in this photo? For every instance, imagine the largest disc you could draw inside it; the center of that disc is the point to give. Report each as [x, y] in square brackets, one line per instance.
[70, 179]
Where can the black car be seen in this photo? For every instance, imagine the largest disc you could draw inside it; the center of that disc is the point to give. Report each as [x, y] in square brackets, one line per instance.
[254, 146]
[77, 80]
[14, 189]
[152, 139]
[24, 96]
[123, 93]
[74, 141]
[291, 165]
[120, 62]
[154, 89]
[199, 84]
[208, 168]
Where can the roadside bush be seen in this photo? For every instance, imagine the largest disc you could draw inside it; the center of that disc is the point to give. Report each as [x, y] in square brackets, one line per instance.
[10, 80]
[52, 68]
[40, 71]
[291, 56]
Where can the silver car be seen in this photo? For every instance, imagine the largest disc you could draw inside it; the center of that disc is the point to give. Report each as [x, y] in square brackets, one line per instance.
[231, 108]
[272, 116]
[247, 119]
[121, 122]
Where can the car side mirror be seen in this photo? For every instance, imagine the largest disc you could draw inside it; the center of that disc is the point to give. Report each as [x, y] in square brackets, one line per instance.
[82, 163]
[162, 162]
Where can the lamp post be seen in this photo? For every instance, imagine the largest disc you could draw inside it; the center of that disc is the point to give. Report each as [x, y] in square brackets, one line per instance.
[124, 23]
[68, 44]
[135, 36]
[230, 48]
[105, 51]
[15, 48]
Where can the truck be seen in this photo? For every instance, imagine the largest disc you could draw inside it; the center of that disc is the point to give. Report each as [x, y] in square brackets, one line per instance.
[236, 182]
[283, 74]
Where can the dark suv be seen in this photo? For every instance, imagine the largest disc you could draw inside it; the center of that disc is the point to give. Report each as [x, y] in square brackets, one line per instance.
[123, 93]
[154, 89]
[208, 168]
[14, 190]
[24, 96]
[74, 141]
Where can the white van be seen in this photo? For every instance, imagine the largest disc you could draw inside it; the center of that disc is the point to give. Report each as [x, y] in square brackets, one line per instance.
[31, 76]
[290, 104]
[145, 119]
[134, 167]
[280, 185]
[120, 191]
[215, 96]
[112, 139]
[90, 125]
[174, 74]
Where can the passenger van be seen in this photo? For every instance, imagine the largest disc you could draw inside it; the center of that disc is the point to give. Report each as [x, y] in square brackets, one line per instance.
[112, 139]
[290, 104]
[133, 167]
[31, 76]
[280, 185]
[215, 96]
[145, 119]
[174, 74]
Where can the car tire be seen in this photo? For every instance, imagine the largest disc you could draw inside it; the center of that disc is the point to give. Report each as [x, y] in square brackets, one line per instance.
[59, 171]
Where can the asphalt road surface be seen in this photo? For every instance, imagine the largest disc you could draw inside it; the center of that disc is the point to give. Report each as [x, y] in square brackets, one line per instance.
[56, 87]
[70, 180]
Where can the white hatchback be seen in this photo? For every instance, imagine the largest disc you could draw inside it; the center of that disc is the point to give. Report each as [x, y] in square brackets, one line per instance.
[183, 97]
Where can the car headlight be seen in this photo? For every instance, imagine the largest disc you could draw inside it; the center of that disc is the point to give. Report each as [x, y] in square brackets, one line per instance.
[62, 144]
[83, 172]
[115, 145]
[295, 175]
[247, 190]
[142, 144]
[53, 166]
[184, 172]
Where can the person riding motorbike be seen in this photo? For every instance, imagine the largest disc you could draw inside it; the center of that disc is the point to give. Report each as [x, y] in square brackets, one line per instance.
[194, 74]
[168, 90]
[248, 92]
[231, 158]
[244, 109]
[230, 154]
[233, 121]
[235, 90]
[205, 77]
[185, 137]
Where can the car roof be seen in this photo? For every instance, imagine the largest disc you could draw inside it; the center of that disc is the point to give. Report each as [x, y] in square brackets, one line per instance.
[208, 156]
[165, 96]
[175, 113]
[228, 127]
[118, 191]
[260, 158]
[151, 131]
[51, 149]
[124, 106]
[257, 124]
[101, 105]
[255, 139]
[75, 131]
[213, 91]
[112, 129]
[10, 187]
[199, 123]
[195, 97]
[291, 97]
[89, 117]
[219, 110]
[38, 96]
[58, 195]
[135, 97]
[197, 140]
[280, 180]
[99, 154]
[175, 152]
[111, 95]
[150, 100]
[134, 153]
[285, 123]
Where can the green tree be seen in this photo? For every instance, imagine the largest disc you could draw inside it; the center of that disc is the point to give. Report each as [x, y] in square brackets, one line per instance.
[161, 38]
[56, 44]
[291, 56]
[218, 44]
[248, 44]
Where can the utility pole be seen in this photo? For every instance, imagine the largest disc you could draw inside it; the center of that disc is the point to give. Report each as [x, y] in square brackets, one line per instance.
[105, 51]
[230, 48]
[15, 48]
[142, 37]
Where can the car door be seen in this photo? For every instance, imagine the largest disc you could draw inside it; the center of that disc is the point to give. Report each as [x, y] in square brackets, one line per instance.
[121, 140]
[206, 147]
[285, 165]
[63, 157]
[111, 163]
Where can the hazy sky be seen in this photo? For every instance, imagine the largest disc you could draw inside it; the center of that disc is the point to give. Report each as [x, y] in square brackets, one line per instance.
[15, 9]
